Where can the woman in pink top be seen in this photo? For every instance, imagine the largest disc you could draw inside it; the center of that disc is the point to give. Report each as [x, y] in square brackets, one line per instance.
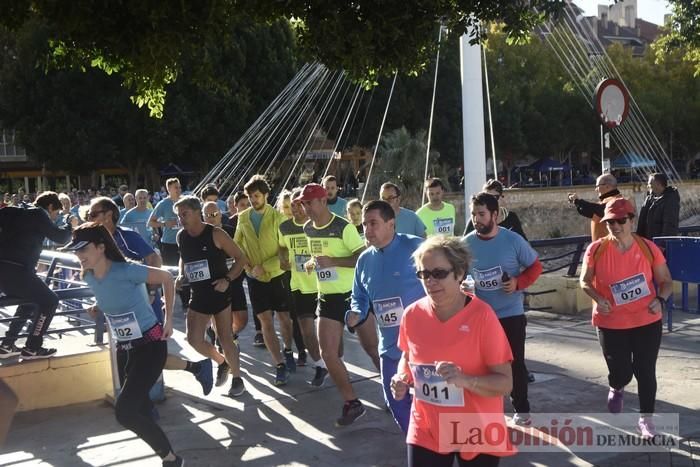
[457, 359]
[619, 272]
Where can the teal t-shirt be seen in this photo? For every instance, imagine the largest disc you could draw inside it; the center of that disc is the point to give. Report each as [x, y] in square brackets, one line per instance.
[256, 219]
[164, 212]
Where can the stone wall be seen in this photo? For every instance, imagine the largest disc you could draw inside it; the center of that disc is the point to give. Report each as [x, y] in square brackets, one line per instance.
[546, 213]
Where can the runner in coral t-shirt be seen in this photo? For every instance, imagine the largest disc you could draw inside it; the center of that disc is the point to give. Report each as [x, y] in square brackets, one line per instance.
[458, 360]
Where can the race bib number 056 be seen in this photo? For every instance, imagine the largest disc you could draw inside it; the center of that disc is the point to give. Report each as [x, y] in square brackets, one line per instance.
[488, 279]
[630, 290]
[433, 389]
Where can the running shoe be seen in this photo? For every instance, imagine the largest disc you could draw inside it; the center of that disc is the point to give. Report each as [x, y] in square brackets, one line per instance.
[646, 427]
[301, 359]
[522, 419]
[319, 377]
[205, 375]
[282, 375]
[530, 377]
[222, 374]
[211, 335]
[178, 462]
[352, 410]
[8, 351]
[237, 387]
[259, 341]
[35, 354]
[616, 400]
[289, 361]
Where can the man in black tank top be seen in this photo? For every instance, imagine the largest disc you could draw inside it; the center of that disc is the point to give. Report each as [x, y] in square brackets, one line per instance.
[203, 252]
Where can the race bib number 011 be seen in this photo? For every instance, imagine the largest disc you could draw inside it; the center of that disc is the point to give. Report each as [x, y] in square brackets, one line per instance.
[443, 226]
[124, 327]
[630, 290]
[327, 274]
[388, 312]
[433, 389]
[488, 279]
[197, 271]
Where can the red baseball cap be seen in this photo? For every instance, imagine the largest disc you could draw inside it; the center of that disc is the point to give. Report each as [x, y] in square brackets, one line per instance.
[618, 209]
[312, 191]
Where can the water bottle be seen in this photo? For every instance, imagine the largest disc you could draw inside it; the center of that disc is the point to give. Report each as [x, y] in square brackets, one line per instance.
[469, 284]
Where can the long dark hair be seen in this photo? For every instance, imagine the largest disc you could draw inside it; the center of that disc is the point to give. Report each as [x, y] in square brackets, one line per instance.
[97, 233]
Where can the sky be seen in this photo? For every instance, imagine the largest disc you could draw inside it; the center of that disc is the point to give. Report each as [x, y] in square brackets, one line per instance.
[649, 10]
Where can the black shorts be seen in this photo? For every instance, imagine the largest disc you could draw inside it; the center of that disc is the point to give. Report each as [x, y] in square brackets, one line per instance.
[333, 306]
[269, 296]
[170, 254]
[238, 299]
[207, 301]
[304, 304]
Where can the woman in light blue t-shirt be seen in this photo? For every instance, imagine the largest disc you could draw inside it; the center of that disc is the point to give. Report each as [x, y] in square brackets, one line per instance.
[120, 290]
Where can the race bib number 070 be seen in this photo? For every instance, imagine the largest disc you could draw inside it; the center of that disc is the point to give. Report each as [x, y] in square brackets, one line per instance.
[630, 290]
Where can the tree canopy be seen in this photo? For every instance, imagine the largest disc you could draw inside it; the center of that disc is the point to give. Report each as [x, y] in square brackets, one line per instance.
[145, 42]
[684, 33]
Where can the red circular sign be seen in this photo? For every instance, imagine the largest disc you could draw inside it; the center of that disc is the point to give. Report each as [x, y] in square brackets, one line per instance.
[611, 102]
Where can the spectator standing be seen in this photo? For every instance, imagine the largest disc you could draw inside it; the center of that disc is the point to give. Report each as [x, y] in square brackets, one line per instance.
[660, 212]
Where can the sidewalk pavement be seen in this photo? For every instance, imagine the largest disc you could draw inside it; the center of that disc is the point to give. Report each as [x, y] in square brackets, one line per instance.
[294, 425]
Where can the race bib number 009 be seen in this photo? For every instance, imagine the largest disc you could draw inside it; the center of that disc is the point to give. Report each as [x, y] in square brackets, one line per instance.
[433, 389]
[388, 312]
[630, 290]
[124, 327]
[197, 271]
[488, 279]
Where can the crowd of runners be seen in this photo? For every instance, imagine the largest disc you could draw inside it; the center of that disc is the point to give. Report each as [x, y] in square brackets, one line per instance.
[440, 316]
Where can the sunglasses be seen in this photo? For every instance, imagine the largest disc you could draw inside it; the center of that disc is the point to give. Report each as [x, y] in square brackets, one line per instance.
[94, 214]
[622, 221]
[437, 273]
[213, 214]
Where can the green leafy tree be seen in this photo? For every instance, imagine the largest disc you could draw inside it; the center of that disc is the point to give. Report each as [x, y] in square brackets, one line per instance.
[683, 33]
[145, 42]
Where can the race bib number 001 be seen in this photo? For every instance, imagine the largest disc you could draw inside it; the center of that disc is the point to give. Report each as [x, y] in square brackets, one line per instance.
[630, 290]
[388, 312]
[443, 226]
[488, 279]
[327, 274]
[197, 271]
[124, 327]
[433, 389]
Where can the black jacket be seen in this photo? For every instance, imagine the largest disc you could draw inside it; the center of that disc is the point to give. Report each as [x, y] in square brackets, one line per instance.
[659, 214]
[22, 233]
[510, 222]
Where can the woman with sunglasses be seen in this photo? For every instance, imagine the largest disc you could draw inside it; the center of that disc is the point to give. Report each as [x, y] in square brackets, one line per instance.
[457, 358]
[120, 289]
[619, 272]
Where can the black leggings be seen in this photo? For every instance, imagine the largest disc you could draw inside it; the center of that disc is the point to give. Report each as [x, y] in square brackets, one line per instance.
[133, 409]
[631, 352]
[20, 282]
[514, 328]
[420, 457]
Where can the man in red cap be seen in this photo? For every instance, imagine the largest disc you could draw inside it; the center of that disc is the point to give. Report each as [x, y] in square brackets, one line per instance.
[334, 245]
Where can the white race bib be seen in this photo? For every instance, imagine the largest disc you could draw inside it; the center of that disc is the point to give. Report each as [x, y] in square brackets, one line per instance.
[300, 261]
[388, 312]
[124, 327]
[443, 226]
[630, 290]
[197, 271]
[433, 389]
[488, 279]
[327, 274]
[229, 263]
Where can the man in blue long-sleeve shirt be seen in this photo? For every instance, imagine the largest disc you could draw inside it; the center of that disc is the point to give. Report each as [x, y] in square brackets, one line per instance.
[385, 277]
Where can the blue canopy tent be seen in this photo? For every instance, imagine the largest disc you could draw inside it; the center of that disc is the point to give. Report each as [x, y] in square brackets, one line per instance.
[633, 161]
[550, 166]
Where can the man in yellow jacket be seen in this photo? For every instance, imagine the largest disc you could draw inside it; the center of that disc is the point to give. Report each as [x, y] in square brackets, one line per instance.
[257, 235]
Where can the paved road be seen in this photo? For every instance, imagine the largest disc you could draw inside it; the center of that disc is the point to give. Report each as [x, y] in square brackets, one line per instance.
[294, 425]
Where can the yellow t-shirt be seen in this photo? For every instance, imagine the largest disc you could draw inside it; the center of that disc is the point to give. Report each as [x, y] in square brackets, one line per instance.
[440, 222]
[293, 238]
[337, 239]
